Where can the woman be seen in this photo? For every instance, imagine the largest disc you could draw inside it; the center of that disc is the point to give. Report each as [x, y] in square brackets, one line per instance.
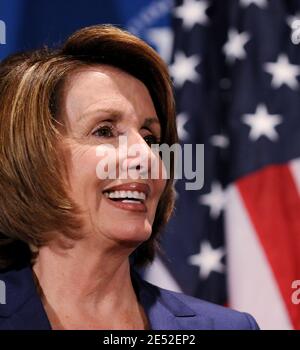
[70, 237]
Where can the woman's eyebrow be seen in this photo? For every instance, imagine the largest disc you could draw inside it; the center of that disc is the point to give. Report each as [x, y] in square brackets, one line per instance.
[149, 121]
[115, 114]
[111, 111]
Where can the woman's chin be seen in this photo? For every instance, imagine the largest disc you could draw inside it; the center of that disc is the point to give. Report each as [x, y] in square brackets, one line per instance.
[132, 235]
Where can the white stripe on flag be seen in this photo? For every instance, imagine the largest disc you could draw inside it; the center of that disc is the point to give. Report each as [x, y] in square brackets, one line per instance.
[295, 170]
[252, 286]
[158, 274]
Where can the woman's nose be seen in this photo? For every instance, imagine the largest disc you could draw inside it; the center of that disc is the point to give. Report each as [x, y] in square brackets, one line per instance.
[139, 158]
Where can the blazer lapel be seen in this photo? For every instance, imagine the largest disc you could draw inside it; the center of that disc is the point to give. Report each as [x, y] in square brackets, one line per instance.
[23, 308]
[165, 310]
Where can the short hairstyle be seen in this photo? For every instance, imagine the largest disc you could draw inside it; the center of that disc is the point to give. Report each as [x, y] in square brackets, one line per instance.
[33, 175]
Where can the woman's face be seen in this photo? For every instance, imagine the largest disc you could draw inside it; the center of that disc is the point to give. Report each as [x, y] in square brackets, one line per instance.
[101, 103]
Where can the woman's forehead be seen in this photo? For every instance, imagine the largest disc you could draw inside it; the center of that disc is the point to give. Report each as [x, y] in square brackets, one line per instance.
[103, 86]
[102, 77]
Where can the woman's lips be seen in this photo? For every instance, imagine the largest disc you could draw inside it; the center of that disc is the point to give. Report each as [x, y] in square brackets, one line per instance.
[138, 206]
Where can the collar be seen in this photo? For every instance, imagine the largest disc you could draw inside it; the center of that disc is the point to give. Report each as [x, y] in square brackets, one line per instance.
[164, 309]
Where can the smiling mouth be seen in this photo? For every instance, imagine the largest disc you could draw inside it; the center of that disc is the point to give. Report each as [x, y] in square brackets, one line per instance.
[127, 200]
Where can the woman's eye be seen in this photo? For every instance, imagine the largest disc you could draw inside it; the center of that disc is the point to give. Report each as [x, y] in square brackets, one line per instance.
[104, 131]
[151, 139]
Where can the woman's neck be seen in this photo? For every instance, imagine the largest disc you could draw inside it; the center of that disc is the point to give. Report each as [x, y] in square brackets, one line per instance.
[88, 288]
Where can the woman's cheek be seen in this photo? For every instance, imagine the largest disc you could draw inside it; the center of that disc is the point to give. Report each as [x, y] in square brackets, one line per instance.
[106, 166]
[83, 164]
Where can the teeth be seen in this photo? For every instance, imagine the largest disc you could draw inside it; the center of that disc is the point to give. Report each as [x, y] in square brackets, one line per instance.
[123, 194]
[126, 194]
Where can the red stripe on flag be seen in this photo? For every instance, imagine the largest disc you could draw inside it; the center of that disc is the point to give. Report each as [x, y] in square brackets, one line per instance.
[272, 201]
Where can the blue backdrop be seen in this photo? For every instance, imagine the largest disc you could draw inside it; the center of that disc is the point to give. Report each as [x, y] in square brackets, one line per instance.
[28, 24]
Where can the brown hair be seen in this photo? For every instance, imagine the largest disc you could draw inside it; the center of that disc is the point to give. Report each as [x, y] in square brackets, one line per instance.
[33, 175]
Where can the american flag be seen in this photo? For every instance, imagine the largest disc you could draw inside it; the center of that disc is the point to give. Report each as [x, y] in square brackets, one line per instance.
[236, 68]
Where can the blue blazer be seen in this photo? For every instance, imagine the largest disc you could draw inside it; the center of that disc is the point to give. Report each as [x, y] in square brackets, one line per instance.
[166, 310]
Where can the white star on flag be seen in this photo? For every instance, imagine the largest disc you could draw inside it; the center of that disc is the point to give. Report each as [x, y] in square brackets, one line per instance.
[208, 260]
[292, 19]
[234, 47]
[215, 199]
[283, 72]
[294, 23]
[262, 123]
[192, 12]
[184, 68]
[259, 3]
[221, 141]
[163, 39]
[181, 120]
